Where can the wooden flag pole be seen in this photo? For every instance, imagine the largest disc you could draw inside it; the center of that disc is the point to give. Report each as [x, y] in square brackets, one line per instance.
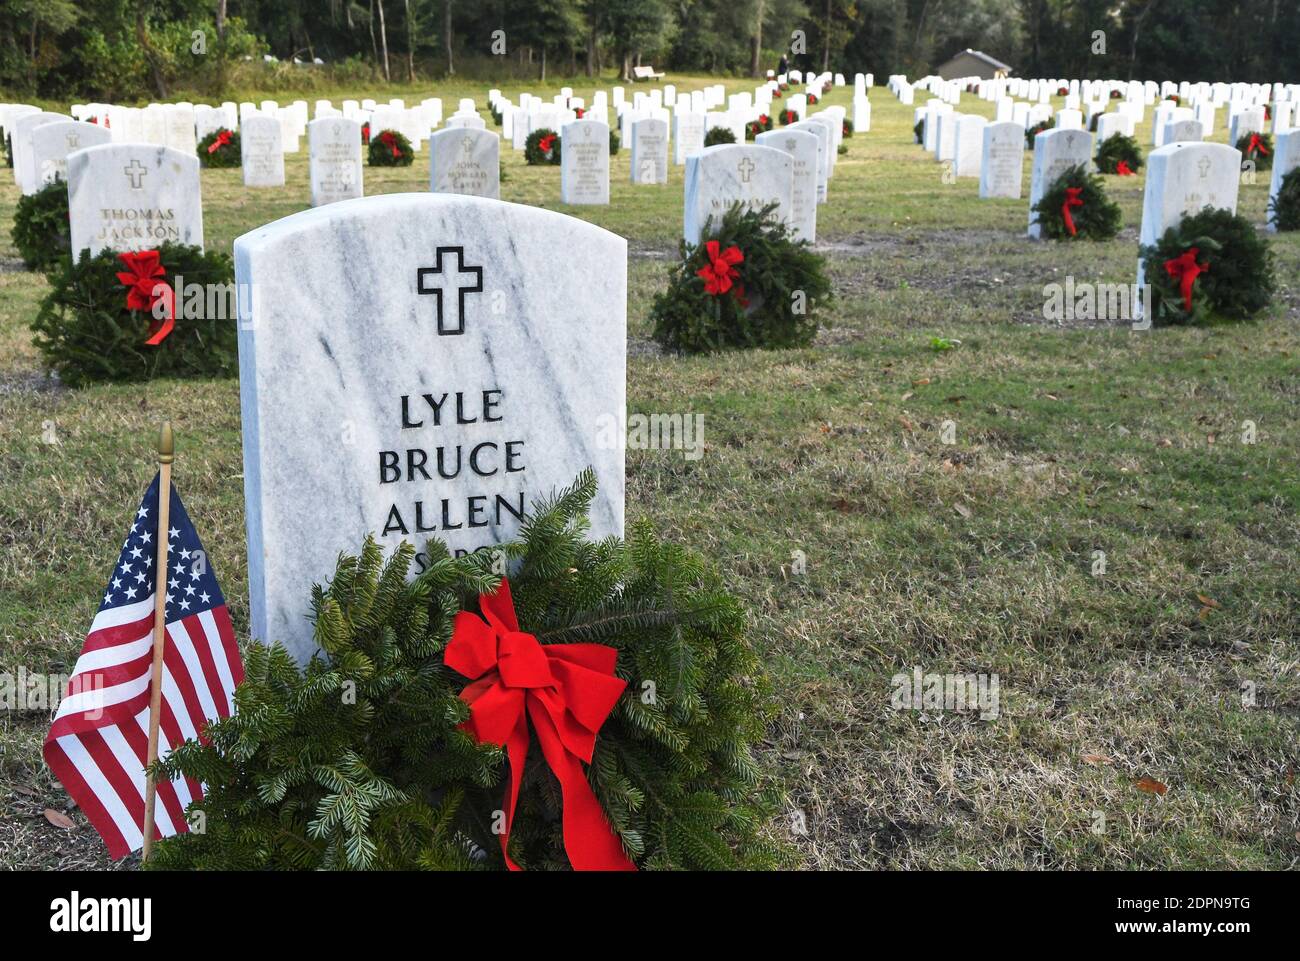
[166, 452]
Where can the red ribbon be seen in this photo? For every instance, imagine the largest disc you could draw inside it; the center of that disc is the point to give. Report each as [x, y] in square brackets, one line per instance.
[1122, 169]
[142, 278]
[568, 690]
[1071, 200]
[389, 140]
[762, 118]
[578, 112]
[365, 133]
[1185, 269]
[546, 142]
[719, 273]
[223, 138]
[1256, 144]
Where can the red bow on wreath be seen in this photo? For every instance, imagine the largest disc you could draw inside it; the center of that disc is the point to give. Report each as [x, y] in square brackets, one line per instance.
[578, 112]
[142, 278]
[1256, 145]
[718, 273]
[1122, 168]
[567, 690]
[1185, 270]
[1072, 199]
[389, 140]
[762, 118]
[546, 142]
[223, 138]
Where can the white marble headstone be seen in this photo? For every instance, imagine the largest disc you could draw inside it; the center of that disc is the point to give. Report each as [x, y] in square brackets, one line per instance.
[969, 148]
[718, 177]
[452, 358]
[650, 151]
[130, 196]
[465, 160]
[1286, 157]
[1002, 159]
[584, 162]
[334, 146]
[260, 140]
[52, 142]
[804, 150]
[1055, 151]
[25, 173]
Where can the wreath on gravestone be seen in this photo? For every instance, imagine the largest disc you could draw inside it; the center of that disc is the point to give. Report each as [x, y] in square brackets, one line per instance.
[812, 99]
[1257, 147]
[1062, 91]
[918, 131]
[390, 148]
[748, 283]
[115, 317]
[846, 130]
[41, 230]
[788, 117]
[219, 149]
[615, 141]
[761, 124]
[542, 147]
[1036, 129]
[370, 758]
[1284, 209]
[1212, 265]
[365, 133]
[718, 135]
[496, 114]
[1075, 206]
[1119, 154]
[1115, 95]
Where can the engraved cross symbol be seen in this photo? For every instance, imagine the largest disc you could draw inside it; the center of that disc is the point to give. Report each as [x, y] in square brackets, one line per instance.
[434, 280]
[74, 140]
[1204, 166]
[467, 145]
[745, 167]
[135, 172]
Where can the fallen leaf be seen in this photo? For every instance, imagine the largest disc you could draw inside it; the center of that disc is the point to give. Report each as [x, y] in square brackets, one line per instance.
[25, 789]
[1207, 601]
[59, 819]
[907, 424]
[1051, 397]
[1097, 759]
[962, 509]
[921, 382]
[1151, 786]
[1165, 442]
[907, 396]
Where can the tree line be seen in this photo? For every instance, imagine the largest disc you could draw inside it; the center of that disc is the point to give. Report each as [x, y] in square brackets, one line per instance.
[124, 49]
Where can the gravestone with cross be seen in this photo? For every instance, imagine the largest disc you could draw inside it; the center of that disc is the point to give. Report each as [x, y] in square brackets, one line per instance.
[26, 174]
[1055, 151]
[804, 149]
[1185, 178]
[456, 357]
[1002, 153]
[130, 196]
[334, 158]
[465, 160]
[52, 142]
[261, 151]
[584, 162]
[718, 177]
[650, 151]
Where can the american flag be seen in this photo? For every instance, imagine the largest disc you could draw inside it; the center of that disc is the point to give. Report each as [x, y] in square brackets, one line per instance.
[99, 741]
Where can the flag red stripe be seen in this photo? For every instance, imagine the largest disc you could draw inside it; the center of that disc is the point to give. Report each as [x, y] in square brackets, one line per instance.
[90, 805]
[203, 647]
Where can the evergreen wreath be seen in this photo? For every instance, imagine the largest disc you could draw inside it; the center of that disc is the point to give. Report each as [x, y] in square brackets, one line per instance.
[542, 147]
[1094, 216]
[1036, 129]
[220, 149]
[496, 114]
[748, 283]
[86, 332]
[390, 148]
[304, 776]
[1062, 91]
[761, 124]
[812, 99]
[615, 141]
[41, 231]
[846, 130]
[1116, 149]
[1115, 95]
[1230, 267]
[718, 135]
[1258, 147]
[789, 116]
[365, 133]
[918, 131]
[1284, 209]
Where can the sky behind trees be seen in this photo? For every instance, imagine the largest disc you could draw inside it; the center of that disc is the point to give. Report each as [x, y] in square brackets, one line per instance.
[125, 49]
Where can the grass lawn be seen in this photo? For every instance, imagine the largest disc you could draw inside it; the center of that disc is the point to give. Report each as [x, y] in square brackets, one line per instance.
[977, 556]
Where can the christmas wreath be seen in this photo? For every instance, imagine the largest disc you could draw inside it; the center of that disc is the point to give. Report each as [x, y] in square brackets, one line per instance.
[390, 148]
[1284, 209]
[365, 133]
[762, 124]
[1176, 100]
[115, 317]
[788, 117]
[747, 284]
[1036, 129]
[918, 131]
[615, 141]
[846, 130]
[219, 149]
[1062, 91]
[1257, 147]
[812, 99]
[386, 750]
[1075, 206]
[41, 231]
[496, 114]
[718, 135]
[1119, 154]
[1213, 265]
[542, 147]
[1115, 95]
